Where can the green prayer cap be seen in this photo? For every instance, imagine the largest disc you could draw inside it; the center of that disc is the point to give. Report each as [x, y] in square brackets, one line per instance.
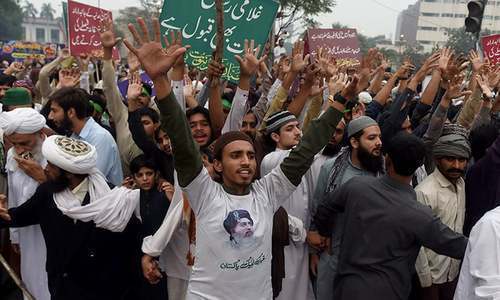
[17, 96]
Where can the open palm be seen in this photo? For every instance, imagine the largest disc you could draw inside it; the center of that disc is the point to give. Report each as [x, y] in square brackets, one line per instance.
[154, 59]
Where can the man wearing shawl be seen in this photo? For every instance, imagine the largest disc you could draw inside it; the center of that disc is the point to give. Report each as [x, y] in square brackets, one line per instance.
[444, 192]
[84, 260]
[23, 128]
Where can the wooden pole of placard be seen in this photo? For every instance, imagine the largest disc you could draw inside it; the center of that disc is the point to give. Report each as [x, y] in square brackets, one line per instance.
[219, 49]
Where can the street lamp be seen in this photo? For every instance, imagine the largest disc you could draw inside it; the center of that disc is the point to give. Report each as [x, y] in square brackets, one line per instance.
[401, 39]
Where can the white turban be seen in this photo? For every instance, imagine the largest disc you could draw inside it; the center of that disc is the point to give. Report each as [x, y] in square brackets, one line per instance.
[21, 120]
[72, 155]
[109, 209]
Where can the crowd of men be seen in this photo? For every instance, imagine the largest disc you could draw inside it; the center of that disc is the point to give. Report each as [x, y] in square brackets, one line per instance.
[308, 178]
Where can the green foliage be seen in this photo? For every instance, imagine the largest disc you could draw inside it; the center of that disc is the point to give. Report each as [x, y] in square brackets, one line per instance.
[461, 41]
[12, 17]
[47, 11]
[292, 11]
[29, 10]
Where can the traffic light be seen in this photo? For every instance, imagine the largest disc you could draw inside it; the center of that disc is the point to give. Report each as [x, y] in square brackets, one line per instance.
[476, 12]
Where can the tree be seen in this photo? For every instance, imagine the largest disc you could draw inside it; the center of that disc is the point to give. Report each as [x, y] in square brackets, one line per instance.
[461, 41]
[47, 11]
[152, 7]
[291, 11]
[12, 17]
[29, 10]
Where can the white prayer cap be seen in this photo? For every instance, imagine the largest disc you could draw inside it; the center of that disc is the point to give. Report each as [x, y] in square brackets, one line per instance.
[365, 98]
[72, 155]
[21, 120]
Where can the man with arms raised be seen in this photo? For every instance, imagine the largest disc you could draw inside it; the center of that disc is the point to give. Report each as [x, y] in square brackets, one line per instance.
[223, 270]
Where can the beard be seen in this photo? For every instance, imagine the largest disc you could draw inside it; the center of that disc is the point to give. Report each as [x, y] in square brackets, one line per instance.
[60, 183]
[331, 150]
[36, 151]
[65, 128]
[369, 162]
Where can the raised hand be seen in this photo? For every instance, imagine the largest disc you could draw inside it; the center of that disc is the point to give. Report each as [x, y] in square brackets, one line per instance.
[404, 70]
[108, 39]
[430, 63]
[215, 70]
[485, 88]
[169, 190]
[189, 90]
[445, 56]
[454, 89]
[150, 269]
[133, 62]
[155, 60]
[476, 61]
[68, 78]
[249, 64]
[4, 211]
[337, 83]
[299, 62]
[172, 45]
[134, 87]
[15, 67]
[64, 53]
[349, 92]
[128, 182]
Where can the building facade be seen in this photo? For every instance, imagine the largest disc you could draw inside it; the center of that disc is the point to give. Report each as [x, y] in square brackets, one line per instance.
[435, 17]
[406, 27]
[42, 30]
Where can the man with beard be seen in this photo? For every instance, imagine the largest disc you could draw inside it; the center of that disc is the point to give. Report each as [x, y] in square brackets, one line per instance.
[22, 127]
[282, 128]
[384, 227]
[363, 157]
[221, 272]
[84, 262]
[444, 192]
[69, 110]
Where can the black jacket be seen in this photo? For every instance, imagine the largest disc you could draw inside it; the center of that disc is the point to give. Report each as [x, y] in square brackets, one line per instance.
[83, 262]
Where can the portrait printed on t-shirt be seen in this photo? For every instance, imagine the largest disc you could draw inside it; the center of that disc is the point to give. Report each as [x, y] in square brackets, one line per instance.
[239, 224]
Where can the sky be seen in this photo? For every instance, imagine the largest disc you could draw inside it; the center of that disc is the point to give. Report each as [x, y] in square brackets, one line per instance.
[370, 17]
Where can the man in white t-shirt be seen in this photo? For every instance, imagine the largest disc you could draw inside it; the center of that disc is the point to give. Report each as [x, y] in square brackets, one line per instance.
[221, 270]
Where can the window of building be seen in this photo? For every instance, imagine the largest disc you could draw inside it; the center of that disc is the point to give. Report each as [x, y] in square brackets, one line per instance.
[430, 14]
[24, 35]
[54, 35]
[447, 15]
[40, 35]
[459, 16]
[488, 17]
[427, 28]
[425, 42]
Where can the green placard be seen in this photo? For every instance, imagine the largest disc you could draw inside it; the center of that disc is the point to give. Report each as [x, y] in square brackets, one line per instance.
[243, 19]
[65, 20]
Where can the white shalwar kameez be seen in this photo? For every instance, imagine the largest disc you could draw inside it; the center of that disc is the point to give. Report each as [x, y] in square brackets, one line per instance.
[296, 284]
[30, 238]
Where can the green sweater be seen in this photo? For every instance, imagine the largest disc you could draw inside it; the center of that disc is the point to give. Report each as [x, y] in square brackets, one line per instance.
[187, 157]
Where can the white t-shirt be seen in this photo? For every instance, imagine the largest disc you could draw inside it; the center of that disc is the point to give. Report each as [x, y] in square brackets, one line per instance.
[234, 237]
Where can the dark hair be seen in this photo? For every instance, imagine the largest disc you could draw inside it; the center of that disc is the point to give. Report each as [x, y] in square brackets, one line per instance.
[481, 139]
[232, 220]
[149, 112]
[407, 153]
[199, 110]
[7, 80]
[357, 136]
[142, 161]
[75, 98]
